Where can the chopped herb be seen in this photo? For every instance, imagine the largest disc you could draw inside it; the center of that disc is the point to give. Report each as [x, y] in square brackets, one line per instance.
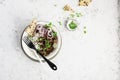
[40, 39]
[44, 49]
[60, 23]
[72, 25]
[49, 25]
[72, 15]
[85, 32]
[30, 37]
[78, 14]
[54, 34]
[84, 27]
[55, 5]
[38, 47]
[47, 44]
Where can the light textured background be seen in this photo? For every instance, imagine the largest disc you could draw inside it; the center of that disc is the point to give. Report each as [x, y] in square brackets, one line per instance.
[91, 56]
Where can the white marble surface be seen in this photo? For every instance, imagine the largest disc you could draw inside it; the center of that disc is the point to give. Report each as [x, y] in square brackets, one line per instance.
[91, 56]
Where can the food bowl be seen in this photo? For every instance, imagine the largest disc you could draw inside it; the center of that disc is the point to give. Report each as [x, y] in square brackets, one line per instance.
[30, 53]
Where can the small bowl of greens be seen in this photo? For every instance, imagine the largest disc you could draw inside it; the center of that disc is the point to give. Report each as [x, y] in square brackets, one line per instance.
[71, 24]
[45, 37]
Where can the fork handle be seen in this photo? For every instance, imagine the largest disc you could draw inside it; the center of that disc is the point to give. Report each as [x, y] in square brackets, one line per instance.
[52, 65]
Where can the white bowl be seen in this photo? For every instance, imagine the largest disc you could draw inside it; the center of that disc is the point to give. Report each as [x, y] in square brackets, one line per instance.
[30, 53]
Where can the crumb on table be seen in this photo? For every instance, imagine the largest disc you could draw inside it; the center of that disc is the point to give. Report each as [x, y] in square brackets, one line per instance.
[84, 2]
[68, 8]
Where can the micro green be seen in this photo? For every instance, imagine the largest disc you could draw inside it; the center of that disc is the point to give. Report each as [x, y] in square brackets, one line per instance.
[60, 23]
[79, 14]
[72, 15]
[54, 34]
[47, 44]
[49, 25]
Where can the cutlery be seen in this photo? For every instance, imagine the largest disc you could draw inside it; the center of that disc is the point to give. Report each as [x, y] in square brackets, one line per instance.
[29, 43]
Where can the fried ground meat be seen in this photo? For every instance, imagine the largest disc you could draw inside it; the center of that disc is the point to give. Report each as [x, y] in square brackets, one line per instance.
[46, 38]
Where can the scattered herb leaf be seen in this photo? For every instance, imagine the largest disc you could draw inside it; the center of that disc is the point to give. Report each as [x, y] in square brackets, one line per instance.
[78, 14]
[72, 15]
[84, 27]
[55, 5]
[60, 23]
[85, 32]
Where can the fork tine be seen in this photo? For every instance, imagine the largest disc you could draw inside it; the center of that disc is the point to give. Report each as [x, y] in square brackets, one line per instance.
[26, 40]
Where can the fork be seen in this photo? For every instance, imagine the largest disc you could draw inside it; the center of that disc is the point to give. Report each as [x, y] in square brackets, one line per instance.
[30, 44]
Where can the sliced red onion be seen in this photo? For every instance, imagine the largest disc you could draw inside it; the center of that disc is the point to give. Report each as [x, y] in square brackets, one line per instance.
[49, 34]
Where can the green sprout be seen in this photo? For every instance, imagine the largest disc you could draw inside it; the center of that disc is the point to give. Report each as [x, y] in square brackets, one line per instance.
[55, 5]
[85, 30]
[49, 25]
[72, 15]
[79, 14]
[60, 23]
[47, 44]
[54, 34]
